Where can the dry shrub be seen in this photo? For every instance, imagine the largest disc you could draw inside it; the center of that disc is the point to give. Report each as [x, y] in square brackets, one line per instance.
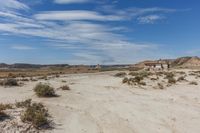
[169, 75]
[182, 78]
[120, 74]
[23, 104]
[171, 80]
[160, 86]
[44, 90]
[3, 107]
[9, 82]
[65, 87]
[193, 83]
[36, 114]
[125, 80]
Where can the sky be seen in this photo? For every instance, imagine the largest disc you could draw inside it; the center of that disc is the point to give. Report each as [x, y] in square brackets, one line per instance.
[97, 31]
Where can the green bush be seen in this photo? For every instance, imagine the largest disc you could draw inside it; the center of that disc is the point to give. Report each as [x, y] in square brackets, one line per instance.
[36, 114]
[44, 90]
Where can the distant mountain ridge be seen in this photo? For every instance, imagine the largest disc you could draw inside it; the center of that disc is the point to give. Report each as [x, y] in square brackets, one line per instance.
[26, 66]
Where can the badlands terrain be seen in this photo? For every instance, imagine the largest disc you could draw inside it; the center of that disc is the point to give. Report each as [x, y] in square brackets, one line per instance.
[112, 102]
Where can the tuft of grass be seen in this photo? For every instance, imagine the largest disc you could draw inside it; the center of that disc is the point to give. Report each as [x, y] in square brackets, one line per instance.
[169, 75]
[125, 80]
[171, 80]
[65, 87]
[9, 82]
[193, 83]
[23, 104]
[182, 78]
[120, 74]
[36, 114]
[44, 90]
[4, 107]
[160, 86]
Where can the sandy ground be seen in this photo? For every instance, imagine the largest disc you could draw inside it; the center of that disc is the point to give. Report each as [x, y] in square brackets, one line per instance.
[100, 103]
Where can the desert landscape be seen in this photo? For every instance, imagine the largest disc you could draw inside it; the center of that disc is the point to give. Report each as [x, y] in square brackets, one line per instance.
[115, 101]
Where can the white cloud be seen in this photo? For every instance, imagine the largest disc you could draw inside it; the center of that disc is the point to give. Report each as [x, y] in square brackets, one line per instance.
[71, 1]
[22, 47]
[76, 15]
[12, 4]
[150, 19]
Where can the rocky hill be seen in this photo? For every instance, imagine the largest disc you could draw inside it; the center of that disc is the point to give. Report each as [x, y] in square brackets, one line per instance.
[182, 62]
[186, 62]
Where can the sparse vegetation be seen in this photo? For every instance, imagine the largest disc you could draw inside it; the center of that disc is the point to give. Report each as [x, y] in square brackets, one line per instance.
[36, 114]
[182, 78]
[193, 83]
[160, 86]
[65, 87]
[23, 104]
[9, 82]
[44, 90]
[171, 80]
[3, 107]
[120, 74]
[125, 80]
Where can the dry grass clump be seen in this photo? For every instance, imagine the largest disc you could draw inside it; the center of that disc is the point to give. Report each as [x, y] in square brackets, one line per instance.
[23, 104]
[193, 83]
[44, 90]
[9, 82]
[160, 86]
[65, 87]
[125, 80]
[4, 107]
[120, 74]
[134, 81]
[171, 80]
[169, 75]
[143, 74]
[182, 78]
[36, 114]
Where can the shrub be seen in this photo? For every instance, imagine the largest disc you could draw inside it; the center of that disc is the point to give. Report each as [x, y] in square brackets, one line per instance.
[160, 86]
[137, 79]
[125, 80]
[193, 83]
[23, 104]
[169, 75]
[44, 90]
[142, 83]
[120, 74]
[133, 73]
[182, 78]
[3, 107]
[171, 80]
[65, 87]
[36, 114]
[9, 82]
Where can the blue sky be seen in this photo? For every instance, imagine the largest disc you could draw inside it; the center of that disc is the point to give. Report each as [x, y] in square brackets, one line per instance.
[97, 32]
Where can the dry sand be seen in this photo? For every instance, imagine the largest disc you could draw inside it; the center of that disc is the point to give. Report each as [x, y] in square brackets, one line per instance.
[100, 103]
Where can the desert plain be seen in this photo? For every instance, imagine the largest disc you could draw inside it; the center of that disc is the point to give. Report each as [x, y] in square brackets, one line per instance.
[101, 103]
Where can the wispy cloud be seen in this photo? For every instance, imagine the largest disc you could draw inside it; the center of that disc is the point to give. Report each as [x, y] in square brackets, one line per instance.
[150, 19]
[22, 47]
[71, 1]
[76, 15]
[12, 4]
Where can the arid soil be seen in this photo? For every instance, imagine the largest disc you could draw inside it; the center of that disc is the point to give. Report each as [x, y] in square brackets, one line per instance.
[101, 103]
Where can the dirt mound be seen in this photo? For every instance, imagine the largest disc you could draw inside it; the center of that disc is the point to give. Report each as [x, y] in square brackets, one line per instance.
[187, 62]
